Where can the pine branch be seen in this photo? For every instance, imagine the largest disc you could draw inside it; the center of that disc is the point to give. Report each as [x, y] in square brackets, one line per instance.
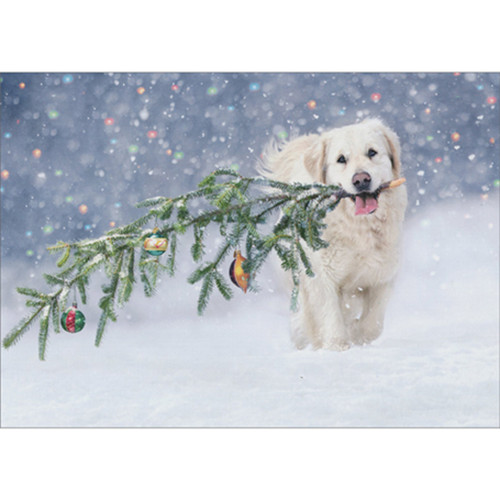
[21, 328]
[127, 279]
[238, 206]
[55, 312]
[44, 332]
[107, 302]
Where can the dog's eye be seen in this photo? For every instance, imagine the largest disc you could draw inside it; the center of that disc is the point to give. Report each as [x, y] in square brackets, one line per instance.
[341, 159]
[371, 153]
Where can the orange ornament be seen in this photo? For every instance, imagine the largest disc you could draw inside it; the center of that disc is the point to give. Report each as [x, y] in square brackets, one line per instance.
[236, 273]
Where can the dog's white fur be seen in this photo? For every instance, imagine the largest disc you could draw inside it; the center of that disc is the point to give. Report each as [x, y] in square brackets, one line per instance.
[345, 302]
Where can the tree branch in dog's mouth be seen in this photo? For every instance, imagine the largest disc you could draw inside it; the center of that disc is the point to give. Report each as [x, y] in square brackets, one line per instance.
[367, 202]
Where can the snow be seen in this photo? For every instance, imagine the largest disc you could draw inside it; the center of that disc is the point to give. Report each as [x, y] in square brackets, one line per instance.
[161, 365]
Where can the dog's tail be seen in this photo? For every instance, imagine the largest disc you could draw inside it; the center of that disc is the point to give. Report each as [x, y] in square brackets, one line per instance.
[266, 165]
[284, 160]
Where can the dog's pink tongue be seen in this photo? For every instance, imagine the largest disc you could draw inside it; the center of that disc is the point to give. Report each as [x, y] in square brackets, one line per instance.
[365, 205]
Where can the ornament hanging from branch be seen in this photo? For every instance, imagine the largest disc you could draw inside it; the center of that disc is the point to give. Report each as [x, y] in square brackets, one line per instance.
[155, 244]
[73, 320]
[238, 276]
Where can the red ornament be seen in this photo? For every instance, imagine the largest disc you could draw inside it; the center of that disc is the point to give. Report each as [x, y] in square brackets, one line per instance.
[375, 97]
[152, 134]
[491, 100]
[109, 121]
[73, 320]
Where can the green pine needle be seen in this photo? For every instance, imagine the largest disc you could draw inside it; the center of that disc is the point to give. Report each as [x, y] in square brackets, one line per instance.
[44, 333]
[223, 286]
[205, 292]
[21, 328]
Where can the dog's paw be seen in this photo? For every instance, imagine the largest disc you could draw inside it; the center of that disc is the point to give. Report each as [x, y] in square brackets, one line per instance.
[362, 340]
[363, 333]
[336, 345]
[334, 339]
[300, 343]
[361, 336]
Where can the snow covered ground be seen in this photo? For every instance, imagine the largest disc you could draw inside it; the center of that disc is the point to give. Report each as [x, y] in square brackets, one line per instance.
[160, 365]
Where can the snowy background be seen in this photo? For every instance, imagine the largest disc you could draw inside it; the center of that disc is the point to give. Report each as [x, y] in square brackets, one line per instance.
[79, 150]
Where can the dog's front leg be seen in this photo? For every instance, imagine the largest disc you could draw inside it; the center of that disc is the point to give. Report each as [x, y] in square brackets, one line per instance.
[304, 327]
[319, 320]
[332, 328]
[371, 323]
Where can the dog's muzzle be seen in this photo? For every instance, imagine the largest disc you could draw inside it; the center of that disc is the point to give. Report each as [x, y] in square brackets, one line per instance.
[365, 201]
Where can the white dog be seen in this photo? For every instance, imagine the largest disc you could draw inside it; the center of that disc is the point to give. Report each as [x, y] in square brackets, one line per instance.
[345, 302]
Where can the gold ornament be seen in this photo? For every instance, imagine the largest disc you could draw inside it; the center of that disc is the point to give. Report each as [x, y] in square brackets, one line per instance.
[155, 244]
[238, 276]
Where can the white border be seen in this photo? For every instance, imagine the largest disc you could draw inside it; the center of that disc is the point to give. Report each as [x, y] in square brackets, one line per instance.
[223, 35]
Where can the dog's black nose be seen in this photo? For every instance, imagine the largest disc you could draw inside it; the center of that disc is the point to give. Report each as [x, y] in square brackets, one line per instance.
[361, 181]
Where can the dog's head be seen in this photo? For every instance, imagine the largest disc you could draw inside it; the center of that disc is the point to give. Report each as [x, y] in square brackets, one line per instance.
[359, 158]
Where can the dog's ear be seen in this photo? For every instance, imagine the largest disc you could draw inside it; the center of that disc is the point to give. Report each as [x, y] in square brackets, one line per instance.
[394, 149]
[314, 160]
